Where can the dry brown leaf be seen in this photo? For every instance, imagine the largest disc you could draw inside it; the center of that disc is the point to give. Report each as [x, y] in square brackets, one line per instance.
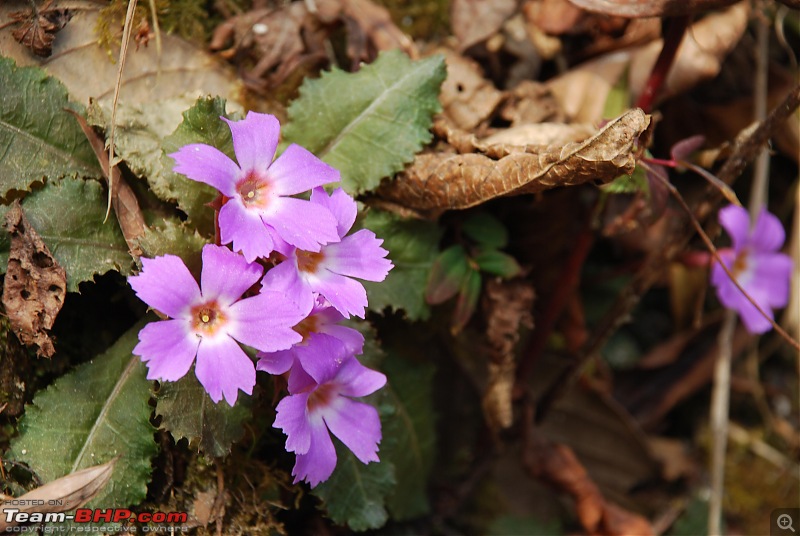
[650, 8]
[35, 284]
[467, 97]
[554, 17]
[39, 27]
[540, 134]
[376, 22]
[530, 102]
[86, 69]
[62, 495]
[582, 91]
[438, 182]
[507, 306]
[474, 21]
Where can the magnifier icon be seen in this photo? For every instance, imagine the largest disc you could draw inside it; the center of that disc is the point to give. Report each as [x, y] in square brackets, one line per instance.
[785, 522]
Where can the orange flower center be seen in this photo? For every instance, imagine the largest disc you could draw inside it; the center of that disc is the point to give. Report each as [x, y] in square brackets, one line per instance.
[307, 327]
[322, 396]
[308, 261]
[253, 190]
[740, 263]
[207, 319]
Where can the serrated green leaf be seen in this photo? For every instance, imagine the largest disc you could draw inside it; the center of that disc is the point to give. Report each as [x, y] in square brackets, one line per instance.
[89, 416]
[370, 123]
[413, 245]
[355, 493]
[447, 272]
[497, 263]
[188, 412]
[485, 229]
[38, 139]
[173, 237]
[408, 434]
[68, 215]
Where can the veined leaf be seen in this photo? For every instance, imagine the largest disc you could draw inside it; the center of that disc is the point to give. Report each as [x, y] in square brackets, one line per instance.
[355, 494]
[370, 123]
[38, 139]
[497, 263]
[449, 268]
[413, 245]
[409, 434]
[173, 237]
[98, 412]
[486, 230]
[68, 215]
[187, 411]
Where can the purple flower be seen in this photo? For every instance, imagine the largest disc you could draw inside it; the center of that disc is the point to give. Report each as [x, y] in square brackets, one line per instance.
[755, 262]
[207, 321]
[329, 270]
[320, 402]
[320, 330]
[258, 209]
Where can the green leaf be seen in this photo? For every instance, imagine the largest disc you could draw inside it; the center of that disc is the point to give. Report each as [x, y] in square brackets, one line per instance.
[618, 100]
[173, 237]
[38, 139]
[370, 123]
[68, 215]
[466, 302]
[187, 411]
[413, 245]
[89, 416]
[409, 434]
[355, 493]
[447, 272]
[497, 263]
[485, 229]
[628, 184]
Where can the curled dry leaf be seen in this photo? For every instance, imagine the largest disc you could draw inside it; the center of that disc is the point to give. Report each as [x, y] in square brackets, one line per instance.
[38, 28]
[474, 21]
[508, 306]
[467, 97]
[62, 495]
[35, 284]
[530, 102]
[650, 8]
[438, 182]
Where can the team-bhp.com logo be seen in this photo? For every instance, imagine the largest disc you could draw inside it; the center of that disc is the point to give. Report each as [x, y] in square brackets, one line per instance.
[94, 515]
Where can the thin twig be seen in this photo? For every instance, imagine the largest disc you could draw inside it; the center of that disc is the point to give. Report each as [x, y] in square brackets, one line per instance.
[123, 54]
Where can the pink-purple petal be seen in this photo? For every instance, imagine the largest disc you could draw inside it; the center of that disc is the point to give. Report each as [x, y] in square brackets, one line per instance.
[351, 338]
[276, 363]
[167, 348]
[296, 170]
[292, 418]
[226, 275]
[245, 229]
[255, 139]
[358, 255]
[166, 285]
[354, 379]
[265, 322]
[325, 370]
[357, 425]
[346, 295]
[207, 164]
[301, 223]
[223, 369]
[736, 221]
[768, 234]
[342, 206]
[284, 278]
[318, 464]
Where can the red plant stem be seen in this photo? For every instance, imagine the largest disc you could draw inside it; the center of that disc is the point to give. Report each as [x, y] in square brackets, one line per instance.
[565, 288]
[673, 35]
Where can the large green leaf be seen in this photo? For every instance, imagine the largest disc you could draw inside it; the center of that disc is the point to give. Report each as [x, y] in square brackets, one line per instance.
[355, 494]
[408, 434]
[413, 246]
[68, 215]
[38, 139]
[188, 412]
[370, 123]
[172, 237]
[89, 416]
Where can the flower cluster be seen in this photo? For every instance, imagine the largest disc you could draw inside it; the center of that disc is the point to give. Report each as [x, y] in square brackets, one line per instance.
[291, 315]
[757, 264]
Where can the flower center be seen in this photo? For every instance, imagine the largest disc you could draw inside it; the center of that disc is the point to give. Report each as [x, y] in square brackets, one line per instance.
[307, 326]
[740, 263]
[308, 261]
[253, 190]
[322, 396]
[207, 319]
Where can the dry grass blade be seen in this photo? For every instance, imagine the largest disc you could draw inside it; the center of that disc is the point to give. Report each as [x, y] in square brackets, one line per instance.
[62, 495]
[439, 182]
[650, 8]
